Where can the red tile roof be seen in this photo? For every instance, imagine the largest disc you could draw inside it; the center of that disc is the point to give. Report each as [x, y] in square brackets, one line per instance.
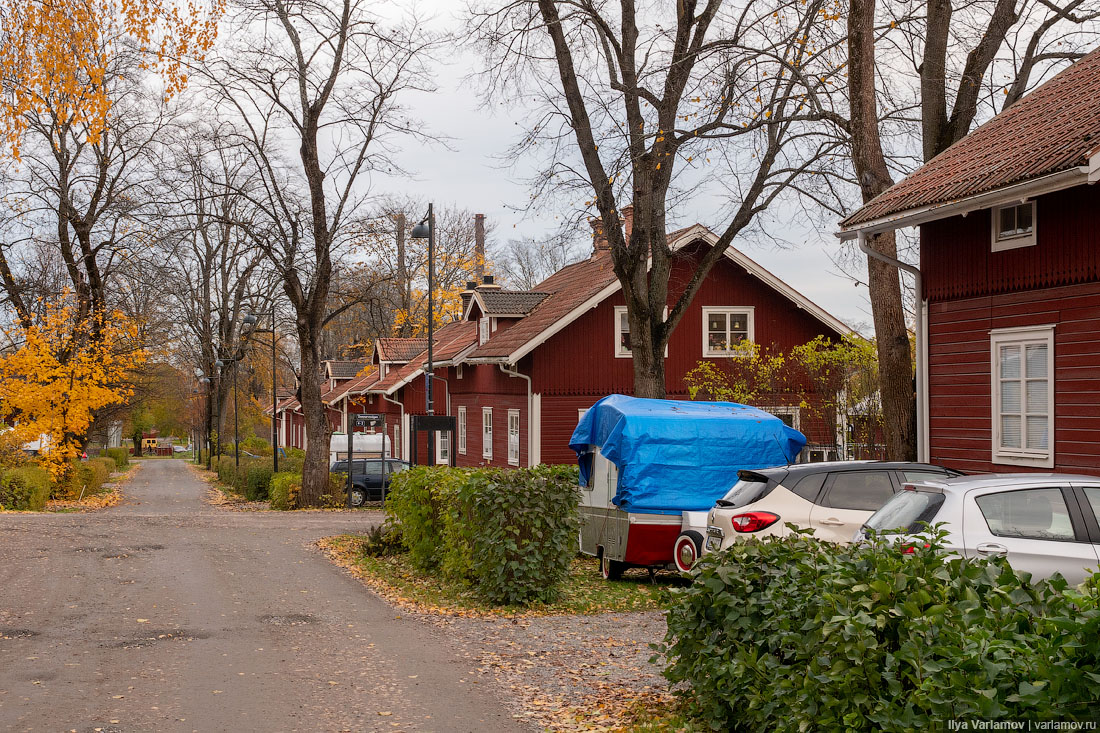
[353, 386]
[1054, 128]
[449, 341]
[400, 349]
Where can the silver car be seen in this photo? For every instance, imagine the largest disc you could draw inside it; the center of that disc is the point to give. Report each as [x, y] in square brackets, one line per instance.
[1043, 523]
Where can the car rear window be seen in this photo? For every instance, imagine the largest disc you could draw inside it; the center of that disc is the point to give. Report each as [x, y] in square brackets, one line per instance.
[860, 490]
[906, 513]
[745, 492]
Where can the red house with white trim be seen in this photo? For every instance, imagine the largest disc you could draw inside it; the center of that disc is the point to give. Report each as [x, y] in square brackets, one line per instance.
[521, 366]
[1009, 223]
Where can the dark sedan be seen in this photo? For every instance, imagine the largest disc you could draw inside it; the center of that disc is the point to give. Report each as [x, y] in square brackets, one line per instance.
[366, 477]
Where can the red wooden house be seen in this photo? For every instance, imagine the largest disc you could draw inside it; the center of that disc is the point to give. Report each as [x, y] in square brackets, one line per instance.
[1010, 272]
[521, 366]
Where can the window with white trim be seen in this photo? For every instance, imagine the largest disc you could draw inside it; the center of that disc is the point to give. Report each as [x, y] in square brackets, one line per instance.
[513, 437]
[1023, 396]
[581, 412]
[395, 448]
[726, 329]
[487, 433]
[462, 430]
[622, 332]
[483, 330]
[458, 372]
[1013, 226]
[443, 447]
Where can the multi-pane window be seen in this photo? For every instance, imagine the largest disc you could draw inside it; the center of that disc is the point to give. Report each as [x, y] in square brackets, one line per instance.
[395, 449]
[1013, 226]
[513, 437]
[462, 431]
[443, 447]
[1023, 396]
[725, 330]
[483, 330]
[622, 331]
[487, 433]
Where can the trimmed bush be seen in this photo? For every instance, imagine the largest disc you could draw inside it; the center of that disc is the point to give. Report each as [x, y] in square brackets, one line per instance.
[792, 634]
[256, 445]
[285, 486]
[510, 532]
[107, 462]
[25, 488]
[257, 481]
[293, 461]
[120, 457]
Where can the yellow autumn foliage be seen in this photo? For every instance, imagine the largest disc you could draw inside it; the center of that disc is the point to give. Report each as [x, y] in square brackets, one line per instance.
[63, 372]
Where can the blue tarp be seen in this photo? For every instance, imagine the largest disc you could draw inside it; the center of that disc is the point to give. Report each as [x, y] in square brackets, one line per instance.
[678, 456]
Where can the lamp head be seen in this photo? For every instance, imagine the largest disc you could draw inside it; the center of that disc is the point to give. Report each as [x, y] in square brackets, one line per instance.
[422, 230]
[249, 320]
[219, 364]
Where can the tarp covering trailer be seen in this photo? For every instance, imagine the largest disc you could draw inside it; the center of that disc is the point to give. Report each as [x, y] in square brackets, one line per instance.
[647, 465]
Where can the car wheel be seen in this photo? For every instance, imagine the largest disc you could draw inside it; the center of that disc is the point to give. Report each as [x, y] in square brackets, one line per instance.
[686, 551]
[611, 569]
[358, 496]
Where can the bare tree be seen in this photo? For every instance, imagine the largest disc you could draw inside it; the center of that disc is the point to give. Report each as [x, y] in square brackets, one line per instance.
[631, 94]
[322, 80]
[524, 263]
[949, 51]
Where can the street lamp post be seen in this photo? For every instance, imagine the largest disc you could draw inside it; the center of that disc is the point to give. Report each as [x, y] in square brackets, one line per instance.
[250, 321]
[203, 379]
[426, 230]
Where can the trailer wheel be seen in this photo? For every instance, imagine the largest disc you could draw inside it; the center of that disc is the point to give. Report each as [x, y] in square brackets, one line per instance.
[611, 569]
[686, 551]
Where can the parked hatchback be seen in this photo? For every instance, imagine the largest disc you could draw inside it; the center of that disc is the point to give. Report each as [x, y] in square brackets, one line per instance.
[366, 477]
[833, 499]
[1043, 523]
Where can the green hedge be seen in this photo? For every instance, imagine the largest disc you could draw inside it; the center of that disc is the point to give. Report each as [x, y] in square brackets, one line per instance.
[285, 486]
[25, 488]
[510, 533]
[792, 635]
[120, 456]
[257, 480]
[107, 462]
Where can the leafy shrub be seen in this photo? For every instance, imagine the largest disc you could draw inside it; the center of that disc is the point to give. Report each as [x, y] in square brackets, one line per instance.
[85, 478]
[294, 459]
[283, 493]
[256, 445]
[793, 634]
[510, 533]
[119, 456]
[257, 481]
[383, 540]
[25, 488]
[107, 462]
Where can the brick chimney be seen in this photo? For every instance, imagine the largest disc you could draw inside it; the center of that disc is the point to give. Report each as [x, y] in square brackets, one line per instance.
[479, 244]
[627, 215]
[488, 282]
[599, 237]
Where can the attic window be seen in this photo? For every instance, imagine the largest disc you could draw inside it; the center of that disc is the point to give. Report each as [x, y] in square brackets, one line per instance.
[1013, 226]
[482, 330]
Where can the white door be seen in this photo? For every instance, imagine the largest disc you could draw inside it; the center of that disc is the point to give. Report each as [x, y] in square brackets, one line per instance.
[848, 500]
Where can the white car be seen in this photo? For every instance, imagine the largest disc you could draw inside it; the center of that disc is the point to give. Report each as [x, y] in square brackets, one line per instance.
[1042, 523]
[833, 499]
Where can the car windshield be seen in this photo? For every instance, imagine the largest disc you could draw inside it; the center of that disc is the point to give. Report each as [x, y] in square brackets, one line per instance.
[744, 493]
[905, 512]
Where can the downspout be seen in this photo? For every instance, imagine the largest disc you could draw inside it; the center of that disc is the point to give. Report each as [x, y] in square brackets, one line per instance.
[530, 433]
[400, 422]
[922, 342]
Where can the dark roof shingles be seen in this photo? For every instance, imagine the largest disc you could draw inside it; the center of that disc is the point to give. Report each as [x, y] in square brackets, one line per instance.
[510, 302]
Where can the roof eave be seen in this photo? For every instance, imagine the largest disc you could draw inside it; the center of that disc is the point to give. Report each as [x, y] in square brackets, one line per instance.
[1050, 183]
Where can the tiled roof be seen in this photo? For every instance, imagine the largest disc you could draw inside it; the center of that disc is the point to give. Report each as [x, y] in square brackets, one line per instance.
[353, 386]
[449, 341]
[1053, 129]
[345, 369]
[400, 349]
[510, 302]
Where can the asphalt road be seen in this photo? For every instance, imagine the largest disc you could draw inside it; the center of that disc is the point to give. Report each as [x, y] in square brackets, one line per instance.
[167, 614]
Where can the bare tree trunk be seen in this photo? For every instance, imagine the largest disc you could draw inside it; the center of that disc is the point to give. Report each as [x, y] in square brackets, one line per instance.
[315, 469]
[884, 282]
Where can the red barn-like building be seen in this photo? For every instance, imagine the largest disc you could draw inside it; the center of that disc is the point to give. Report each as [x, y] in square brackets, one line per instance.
[1009, 223]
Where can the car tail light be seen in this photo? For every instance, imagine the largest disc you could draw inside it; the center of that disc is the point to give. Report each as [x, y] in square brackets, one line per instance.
[753, 521]
[910, 549]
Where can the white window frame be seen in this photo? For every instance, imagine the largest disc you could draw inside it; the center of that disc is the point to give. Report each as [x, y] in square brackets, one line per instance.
[1000, 244]
[513, 438]
[581, 412]
[395, 447]
[483, 330]
[462, 430]
[619, 353]
[443, 448]
[748, 311]
[793, 410]
[1022, 337]
[458, 372]
[487, 433]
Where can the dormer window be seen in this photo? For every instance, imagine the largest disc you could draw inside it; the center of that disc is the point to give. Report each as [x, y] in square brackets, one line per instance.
[1013, 226]
[483, 330]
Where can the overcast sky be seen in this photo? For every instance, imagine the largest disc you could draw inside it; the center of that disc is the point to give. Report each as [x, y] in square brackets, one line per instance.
[472, 175]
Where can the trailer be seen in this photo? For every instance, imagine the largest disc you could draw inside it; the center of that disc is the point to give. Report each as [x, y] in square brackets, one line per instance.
[651, 469]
